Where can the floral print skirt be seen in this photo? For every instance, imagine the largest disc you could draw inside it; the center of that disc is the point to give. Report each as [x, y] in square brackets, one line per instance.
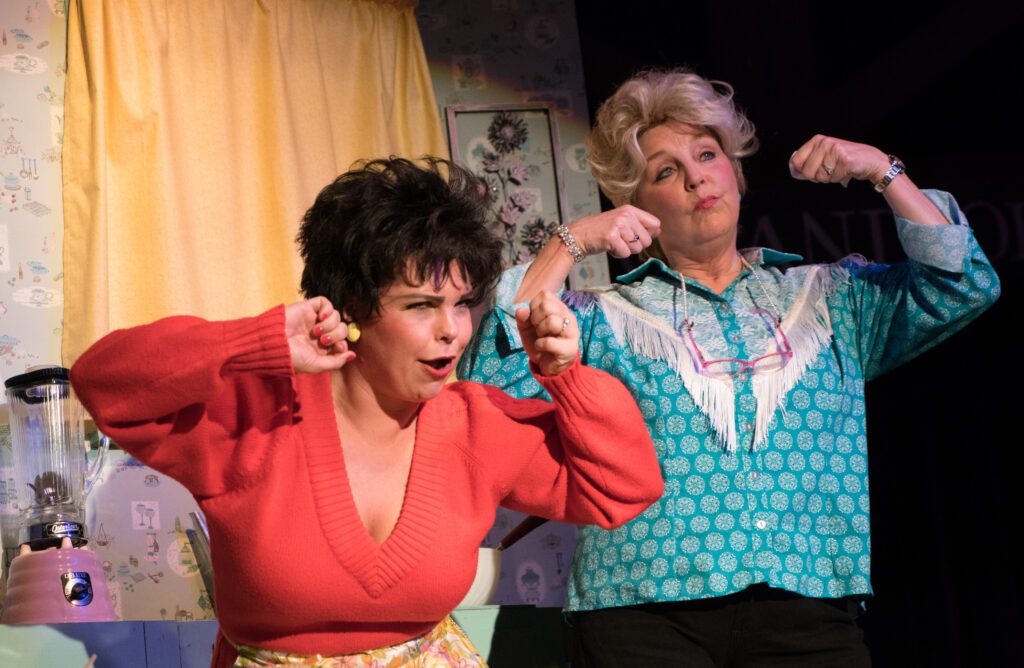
[446, 645]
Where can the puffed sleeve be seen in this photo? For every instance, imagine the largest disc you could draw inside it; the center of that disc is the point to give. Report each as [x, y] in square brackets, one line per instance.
[901, 310]
[180, 393]
[585, 457]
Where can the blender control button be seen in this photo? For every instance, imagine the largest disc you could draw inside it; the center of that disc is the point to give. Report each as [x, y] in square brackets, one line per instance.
[77, 588]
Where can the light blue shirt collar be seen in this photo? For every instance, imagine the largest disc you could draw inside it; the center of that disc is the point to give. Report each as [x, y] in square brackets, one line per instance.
[755, 256]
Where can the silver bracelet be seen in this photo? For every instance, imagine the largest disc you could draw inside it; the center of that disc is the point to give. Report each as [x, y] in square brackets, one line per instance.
[569, 241]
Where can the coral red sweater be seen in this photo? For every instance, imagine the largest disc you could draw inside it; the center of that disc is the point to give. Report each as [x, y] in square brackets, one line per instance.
[216, 406]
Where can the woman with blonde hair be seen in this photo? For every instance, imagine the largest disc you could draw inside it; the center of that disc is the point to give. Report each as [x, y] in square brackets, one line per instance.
[750, 378]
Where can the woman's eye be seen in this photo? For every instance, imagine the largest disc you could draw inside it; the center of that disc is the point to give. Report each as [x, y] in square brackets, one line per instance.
[663, 173]
[708, 155]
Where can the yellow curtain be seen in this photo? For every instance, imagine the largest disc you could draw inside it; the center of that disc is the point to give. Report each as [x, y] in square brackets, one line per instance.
[197, 133]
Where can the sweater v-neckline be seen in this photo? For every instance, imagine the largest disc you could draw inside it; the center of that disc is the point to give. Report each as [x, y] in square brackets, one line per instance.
[376, 567]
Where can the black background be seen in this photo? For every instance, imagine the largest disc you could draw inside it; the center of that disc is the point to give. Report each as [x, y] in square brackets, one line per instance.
[933, 86]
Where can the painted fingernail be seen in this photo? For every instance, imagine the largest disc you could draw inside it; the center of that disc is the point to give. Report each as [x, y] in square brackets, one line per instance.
[318, 330]
[322, 315]
[326, 339]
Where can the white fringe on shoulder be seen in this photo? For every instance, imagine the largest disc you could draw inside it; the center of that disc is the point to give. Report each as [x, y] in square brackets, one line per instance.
[808, 328]
[652, 337]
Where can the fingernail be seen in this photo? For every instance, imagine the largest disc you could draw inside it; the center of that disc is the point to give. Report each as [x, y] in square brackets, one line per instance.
[325, 339]
[318, 330]
[322, 316]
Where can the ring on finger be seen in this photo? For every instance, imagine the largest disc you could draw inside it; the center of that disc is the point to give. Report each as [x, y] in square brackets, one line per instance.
[565, 326]
[635, 239]
[828, 170]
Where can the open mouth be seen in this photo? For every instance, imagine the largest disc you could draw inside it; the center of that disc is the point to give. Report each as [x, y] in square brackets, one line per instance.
[439, 366]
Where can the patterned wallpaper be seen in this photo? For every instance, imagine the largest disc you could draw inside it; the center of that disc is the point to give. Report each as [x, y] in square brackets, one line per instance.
[137, 520]
[480, 52]
[32, 57]
[32, 67]
[511, 52]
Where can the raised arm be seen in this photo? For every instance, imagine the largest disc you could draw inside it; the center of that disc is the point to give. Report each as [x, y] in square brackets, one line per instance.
[620, 232]
[607, 472]
[184, 390]
[904, 309]
[830, 160]
[585, 457]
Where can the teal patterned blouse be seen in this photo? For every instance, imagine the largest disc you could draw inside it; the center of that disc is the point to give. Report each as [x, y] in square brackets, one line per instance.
[766, 474]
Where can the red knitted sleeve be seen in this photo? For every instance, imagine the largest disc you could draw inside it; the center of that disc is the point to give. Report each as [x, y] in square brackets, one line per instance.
[171, 394]
[586, 458]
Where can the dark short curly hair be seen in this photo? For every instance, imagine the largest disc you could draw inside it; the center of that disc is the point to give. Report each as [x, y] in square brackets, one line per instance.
[391, 219]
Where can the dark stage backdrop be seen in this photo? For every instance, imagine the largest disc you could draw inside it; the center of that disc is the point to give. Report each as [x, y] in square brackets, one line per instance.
[935, 88]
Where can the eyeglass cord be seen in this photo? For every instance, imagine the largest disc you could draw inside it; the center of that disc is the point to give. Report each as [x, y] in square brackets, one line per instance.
[686, 311]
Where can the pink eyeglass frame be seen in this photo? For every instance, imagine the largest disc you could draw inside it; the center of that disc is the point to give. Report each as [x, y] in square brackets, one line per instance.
[744, 365]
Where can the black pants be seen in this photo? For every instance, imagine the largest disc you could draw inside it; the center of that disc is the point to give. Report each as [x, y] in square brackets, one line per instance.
[759, 626]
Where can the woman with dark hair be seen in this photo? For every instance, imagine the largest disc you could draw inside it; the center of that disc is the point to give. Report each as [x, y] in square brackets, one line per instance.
[346, 484]
[750, 377]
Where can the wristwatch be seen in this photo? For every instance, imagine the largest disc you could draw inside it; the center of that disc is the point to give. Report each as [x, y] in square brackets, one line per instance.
[896, 167]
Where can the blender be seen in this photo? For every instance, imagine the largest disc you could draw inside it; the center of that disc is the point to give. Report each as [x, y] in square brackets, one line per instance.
[54, 577]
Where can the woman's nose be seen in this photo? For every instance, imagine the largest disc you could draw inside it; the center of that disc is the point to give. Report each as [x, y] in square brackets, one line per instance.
[446, 325]
[694, 177]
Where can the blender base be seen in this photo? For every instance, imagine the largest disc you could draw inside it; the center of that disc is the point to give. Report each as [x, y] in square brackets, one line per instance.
[64, 584]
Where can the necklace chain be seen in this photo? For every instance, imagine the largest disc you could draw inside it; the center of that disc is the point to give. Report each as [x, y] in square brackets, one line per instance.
[743, 260]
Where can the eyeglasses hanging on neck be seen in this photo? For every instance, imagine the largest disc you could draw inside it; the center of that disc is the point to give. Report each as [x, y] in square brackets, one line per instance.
[730, 367]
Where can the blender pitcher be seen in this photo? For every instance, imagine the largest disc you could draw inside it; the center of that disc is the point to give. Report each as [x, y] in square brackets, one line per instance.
[48, 448]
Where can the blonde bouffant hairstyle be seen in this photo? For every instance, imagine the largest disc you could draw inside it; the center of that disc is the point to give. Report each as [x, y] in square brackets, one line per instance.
[652, 98]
